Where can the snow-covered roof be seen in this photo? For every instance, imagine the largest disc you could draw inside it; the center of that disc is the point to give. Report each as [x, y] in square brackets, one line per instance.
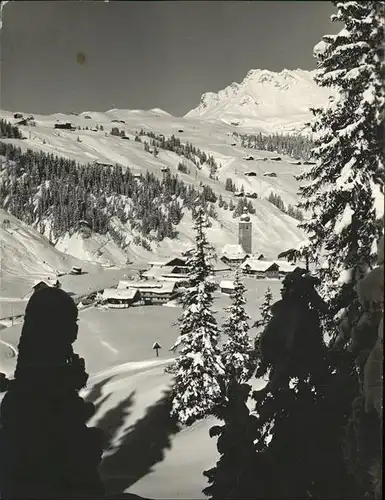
[50, 281]
[234, 256]
[138, 284]
[264, 265]
[166, 262]
[219, 265]
[258, 265]
[229, 285]
[285, 266]
[232, 249]
[158, 271]
[157, 287]
[114, 293]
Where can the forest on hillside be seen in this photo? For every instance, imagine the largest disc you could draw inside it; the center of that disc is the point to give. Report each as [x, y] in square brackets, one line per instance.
[296, 146]
[174, 144]
[38, 187]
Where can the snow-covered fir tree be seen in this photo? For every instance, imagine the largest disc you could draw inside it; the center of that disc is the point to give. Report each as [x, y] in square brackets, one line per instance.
[236, 352]
[265, 310]
[233, 476]
[198, 369]
[344, 189]
[303, 384]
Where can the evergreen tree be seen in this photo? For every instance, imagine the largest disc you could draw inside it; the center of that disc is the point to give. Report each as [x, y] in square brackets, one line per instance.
[233, 476]
[236, 351]
[265, 310]
[343, 189]
[303, 408]
[198, 369]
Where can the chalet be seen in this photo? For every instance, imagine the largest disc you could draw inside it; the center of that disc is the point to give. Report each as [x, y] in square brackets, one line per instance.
[233, 255]
[125, 138]
[239, 194]
[87, 117]
[76, 270]
[175, 261]
[248, 157]
[295, 162]
[24, 121]
[276, 158]
[6, 224]
[40, 284]
[284, 267]
[188, 252]
[17, 116]
[220, 267]
[120, 299]
[251, 174]
[180, 130]
[233, 143]
[261, 268]
[151, 292]
[227, 287]
[269, 174]
[309, 163]
[136, 175]
[253, 195]
[164, 169]
[168, 273]
[64, 126]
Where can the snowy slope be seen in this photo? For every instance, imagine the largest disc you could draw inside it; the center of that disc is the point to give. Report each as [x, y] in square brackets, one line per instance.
[128, 385]
[272, 229]
[26, 255]
[265, 101]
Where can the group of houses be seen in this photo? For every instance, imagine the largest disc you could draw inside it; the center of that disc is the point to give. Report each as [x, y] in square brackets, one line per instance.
[255, 265]
[141, 292]
[260, 269]
[157, 285]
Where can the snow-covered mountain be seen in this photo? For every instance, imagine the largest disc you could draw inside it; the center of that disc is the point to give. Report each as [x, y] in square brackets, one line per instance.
[265, 101]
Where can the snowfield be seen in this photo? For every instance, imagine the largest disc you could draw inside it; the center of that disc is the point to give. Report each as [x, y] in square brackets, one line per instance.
[146, 455]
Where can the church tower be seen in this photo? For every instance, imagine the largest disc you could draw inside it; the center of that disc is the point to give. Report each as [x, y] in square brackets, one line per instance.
[244, 234]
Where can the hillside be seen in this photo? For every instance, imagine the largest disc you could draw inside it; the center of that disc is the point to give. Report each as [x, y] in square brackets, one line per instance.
[265, 101]
[92, 141]
[26, 256]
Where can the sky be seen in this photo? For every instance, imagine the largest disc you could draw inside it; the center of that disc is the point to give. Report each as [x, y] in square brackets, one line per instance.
[62, 56]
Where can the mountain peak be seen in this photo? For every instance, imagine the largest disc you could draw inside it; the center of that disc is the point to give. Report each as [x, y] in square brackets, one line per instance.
[266, 100]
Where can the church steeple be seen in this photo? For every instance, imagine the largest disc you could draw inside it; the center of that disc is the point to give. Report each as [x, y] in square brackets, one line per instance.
[245, 232]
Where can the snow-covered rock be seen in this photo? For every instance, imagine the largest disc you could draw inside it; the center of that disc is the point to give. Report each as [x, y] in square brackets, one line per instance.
[265, 100]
